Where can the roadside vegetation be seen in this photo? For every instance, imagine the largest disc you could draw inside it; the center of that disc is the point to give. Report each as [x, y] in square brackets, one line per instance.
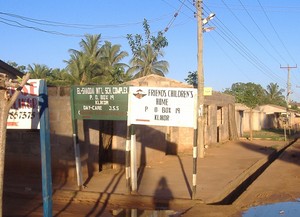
[269, 134]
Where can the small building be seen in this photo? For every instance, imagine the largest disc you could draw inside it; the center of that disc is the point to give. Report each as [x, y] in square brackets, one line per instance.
[265, 117]
[275, 116]
[242, 118]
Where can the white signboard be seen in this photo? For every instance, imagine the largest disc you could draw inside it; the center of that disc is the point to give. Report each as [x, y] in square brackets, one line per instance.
[24, 114]
[162, 106]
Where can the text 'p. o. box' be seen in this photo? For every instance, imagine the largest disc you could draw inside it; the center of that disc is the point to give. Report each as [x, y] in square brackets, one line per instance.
[163, 106]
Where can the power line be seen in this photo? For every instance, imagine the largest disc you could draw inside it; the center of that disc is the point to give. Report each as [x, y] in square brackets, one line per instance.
[174, 17]
[78, 25]
[258, 27]
[228, 56]
[19, 25]
[228, 36]
[271, 8]
[276, 31]
[250, 33]
[32, 22]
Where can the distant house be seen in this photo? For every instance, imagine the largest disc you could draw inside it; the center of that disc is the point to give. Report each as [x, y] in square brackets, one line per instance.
[265, 117]
[274, 116]
[10, 71]
[242, 118]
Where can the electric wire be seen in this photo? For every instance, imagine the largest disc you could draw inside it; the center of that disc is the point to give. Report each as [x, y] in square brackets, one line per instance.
[276, 33]
[247, 54]
[264, 35]
[228, 56]
[42, 22]
[19, 25]
[244, 51]
[271, 8]
[250, 33]
[173, 18]
[77, 25]
[228, 36]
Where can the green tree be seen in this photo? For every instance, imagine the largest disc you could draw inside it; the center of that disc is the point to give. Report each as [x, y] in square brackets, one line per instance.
[146, 55]
[39, 71]
[274, 95]
[147, 63]
[249, 94]
[21, 68]
[114, 69]
[85, 65]
[59, 77]
[97, 64]
[192, 79]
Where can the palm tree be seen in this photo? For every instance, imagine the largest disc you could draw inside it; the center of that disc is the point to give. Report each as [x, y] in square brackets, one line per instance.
[146, 63]
[38, 71]
[79, 68]
[85, 65]
[59, 77]
[118, 76]
[114, 70]
[274, 94]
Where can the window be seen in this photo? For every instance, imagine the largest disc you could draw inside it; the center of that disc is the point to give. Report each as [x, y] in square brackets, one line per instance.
[220, 120]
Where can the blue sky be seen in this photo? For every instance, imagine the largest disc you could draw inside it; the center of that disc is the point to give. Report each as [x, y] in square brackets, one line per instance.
[254, 40]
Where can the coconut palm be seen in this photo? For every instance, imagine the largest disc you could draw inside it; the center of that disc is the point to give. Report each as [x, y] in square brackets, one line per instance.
[95, 64]
[147, 63]
[81, 69]
[114, 70]
[38, 71]
[59, 77]
[85, 65]
[274, 94]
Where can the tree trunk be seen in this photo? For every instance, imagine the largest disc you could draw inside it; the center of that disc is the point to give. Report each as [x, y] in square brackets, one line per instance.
[5, 104]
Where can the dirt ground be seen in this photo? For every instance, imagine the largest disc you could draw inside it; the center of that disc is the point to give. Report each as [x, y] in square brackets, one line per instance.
[279, 182]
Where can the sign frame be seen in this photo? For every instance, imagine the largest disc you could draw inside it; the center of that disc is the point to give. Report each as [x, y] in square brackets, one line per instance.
[163, 106]
[99, 102]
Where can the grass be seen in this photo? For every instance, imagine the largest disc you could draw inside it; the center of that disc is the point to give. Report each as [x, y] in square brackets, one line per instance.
[271, 134]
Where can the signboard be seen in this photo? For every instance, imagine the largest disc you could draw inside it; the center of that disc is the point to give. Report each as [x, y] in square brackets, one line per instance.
[24, 114]
[163, 106]
[207, 91]
[100, 102]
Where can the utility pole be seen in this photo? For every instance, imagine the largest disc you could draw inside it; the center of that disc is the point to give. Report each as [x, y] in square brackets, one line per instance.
[288, 87]
[288, 82]
[200, 121]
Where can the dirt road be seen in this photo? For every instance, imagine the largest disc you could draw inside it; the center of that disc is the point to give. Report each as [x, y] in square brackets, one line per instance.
[280, 182]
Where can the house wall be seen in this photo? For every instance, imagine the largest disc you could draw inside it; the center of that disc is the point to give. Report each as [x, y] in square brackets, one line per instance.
[258, 120]
[23, 146]
[217, 124]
